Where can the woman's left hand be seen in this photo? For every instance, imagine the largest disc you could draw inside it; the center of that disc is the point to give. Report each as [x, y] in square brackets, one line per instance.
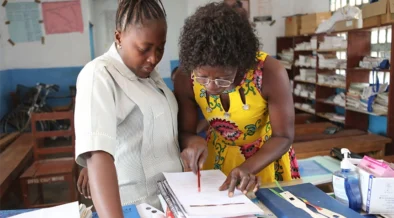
[241, 179]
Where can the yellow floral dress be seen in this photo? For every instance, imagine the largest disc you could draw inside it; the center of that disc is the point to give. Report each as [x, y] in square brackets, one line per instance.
[237, 134]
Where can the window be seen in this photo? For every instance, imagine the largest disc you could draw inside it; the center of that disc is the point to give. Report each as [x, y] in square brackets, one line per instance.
[380, 40]
[384, 77]
[337, 4]
[340, 72]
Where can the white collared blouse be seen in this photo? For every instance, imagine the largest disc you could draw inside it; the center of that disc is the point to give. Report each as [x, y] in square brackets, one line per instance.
[131, 118]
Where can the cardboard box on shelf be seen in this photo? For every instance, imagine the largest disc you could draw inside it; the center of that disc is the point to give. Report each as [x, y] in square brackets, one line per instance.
[381, 12]
[344, 25]
[310, 21]
[307, 31]
[292, 25]
[389, 16]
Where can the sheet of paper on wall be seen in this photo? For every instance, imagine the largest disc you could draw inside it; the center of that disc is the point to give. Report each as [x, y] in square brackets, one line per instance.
[70, 210]
[264, 8]
[24, 23]
[62, 17]
[210, 202]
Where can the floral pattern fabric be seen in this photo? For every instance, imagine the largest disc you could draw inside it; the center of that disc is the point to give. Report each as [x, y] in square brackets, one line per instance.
[237, 134]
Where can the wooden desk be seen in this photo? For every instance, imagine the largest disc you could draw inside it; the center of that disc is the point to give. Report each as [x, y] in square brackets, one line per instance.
[311, 128]
[14, 160]
[321, 136]
[304, 118]
[389, 159]
[357, 144]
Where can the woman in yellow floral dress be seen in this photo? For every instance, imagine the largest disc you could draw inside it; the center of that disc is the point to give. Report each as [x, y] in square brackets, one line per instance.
[245, 96]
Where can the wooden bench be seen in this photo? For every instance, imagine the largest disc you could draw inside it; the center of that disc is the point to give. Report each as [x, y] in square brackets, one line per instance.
[304, 118]
[357, 144]
[7, 139]
[14, 160]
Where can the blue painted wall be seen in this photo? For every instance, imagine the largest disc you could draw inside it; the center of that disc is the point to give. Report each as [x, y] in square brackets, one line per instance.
[67, 76]
[64, 77]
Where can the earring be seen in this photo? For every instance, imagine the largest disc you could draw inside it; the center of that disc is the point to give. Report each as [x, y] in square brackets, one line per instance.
[119, 46]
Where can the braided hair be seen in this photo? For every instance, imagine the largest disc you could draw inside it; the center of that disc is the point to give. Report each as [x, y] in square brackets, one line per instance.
[136, 11]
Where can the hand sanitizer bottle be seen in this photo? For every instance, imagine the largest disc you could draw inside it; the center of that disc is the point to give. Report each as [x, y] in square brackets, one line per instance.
[346, 183]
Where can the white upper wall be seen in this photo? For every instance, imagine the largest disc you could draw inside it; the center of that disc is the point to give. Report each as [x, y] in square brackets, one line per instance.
[73, 49]
[280, 9]
[60, 50]
[310, 6]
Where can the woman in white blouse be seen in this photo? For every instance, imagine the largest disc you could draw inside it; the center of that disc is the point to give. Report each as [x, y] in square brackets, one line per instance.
[125, 116]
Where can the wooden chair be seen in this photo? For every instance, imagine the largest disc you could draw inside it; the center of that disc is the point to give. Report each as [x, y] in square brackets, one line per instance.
[52, 170]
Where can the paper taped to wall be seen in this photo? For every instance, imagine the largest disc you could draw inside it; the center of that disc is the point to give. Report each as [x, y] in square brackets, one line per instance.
[62, 17]
[23, 17]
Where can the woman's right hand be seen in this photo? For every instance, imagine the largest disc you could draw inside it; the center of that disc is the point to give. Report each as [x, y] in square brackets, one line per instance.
[83, 183]
[194, 154]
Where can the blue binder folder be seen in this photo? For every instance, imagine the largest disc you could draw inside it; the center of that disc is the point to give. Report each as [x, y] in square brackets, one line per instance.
[281, 208]
[128, 212]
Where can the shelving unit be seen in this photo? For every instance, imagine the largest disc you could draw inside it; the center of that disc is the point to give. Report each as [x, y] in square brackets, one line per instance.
[358, 46]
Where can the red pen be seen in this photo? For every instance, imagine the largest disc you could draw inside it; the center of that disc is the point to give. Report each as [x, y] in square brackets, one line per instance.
[198, 180]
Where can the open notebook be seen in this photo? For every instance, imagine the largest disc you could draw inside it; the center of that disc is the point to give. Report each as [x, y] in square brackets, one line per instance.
[182, 196]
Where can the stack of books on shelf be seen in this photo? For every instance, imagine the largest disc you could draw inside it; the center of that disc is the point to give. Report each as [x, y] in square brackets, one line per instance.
[381, 104]
[287, 57]
[338, 99]
[331, 61]
[354, 98]
[332, 80]
[363, 97]
[305, 107]
[306, 61]
[306, 46]
[306, 91]
[333, 43]
[370, 62]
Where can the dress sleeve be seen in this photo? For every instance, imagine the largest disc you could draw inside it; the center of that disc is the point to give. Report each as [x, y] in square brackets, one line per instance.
[95, 113]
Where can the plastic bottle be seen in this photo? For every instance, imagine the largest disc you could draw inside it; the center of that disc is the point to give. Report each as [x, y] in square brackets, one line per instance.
[346, 183]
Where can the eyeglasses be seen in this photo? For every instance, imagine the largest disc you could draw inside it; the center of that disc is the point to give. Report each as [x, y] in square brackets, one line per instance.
[219, 82]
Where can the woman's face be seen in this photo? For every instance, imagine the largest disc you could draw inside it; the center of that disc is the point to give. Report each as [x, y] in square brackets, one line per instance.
[142, 46]
[215, 79]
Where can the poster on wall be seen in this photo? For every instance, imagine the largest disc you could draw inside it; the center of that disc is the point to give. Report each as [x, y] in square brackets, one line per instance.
[110, 26]
[264, 11]
[23, 22]
[62, 17]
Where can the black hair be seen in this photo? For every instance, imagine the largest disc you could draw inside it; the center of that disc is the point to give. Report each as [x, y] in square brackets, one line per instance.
[135, 11]
[238, 4]
[218, 36]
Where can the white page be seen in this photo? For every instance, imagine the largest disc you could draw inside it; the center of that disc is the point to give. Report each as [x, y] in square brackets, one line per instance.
[184, 186]
[70, 210]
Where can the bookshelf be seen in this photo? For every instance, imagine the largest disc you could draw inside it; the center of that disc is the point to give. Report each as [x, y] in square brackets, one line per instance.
[358, 46]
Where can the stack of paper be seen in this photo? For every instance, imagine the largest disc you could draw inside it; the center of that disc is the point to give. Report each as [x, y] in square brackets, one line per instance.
[181, 194]
[70, 210]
